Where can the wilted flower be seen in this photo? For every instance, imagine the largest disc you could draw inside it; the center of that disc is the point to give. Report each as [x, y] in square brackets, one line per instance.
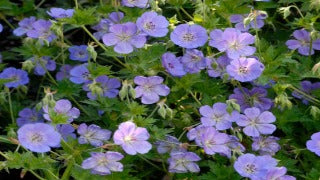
[132, 139]
[124, 37]
[62, 110]
[193, 61]
[64, 72]
[307, 87]
[189, 36]
[79, 53]
[279, 173]
[41, 30]
[266, 145]
[60, 13]
[43, 64]
[103, 163]
[182, 162]
[233, 42]
[256, 97]
[135, 3]
[79, 74]
[302, 43]
[103, 26]
[172, 64]
[25, 25]
[256, 123]
[171, 144]
[150, 88]
[313, 144]
[254, 167]
[38, 137]
[92, 134]
[216, 116]
[245, 69]
[109, 86]
[153, 24]
[27, 116]
[17, 77]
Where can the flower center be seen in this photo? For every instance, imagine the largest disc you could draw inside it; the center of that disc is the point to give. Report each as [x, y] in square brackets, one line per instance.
[149, 26]
[128, 139]
[216, 118]
[188, 37]
[235, 45]
[102, 162]
[124, 37]
[243, 69]
[195, 57]
[148, 88]
[250, 168]
[85, 75]
[36, 137]
[170, 65]
[15, 78]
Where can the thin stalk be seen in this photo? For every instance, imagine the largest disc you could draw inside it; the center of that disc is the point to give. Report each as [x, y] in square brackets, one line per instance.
[76, 4]
[102, 46]
[8, 23]
[53, 175]
[36, 175]
[195, 98]
[154, 110]
[186, 13]
[79, 105]
[10, 107]
[40, 3]
[5, 156]
[66, 173]
[149, 162]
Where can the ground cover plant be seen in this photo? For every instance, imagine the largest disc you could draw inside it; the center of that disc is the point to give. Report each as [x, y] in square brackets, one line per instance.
[160, 89]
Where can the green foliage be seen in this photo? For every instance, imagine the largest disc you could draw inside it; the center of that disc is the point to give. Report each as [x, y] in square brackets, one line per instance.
[82, 17]
[28, 161]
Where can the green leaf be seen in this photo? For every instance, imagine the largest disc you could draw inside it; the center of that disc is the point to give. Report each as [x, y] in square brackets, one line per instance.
[28, 161]
[82, 17]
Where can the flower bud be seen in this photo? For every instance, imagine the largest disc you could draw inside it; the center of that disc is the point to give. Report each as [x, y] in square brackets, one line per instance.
[28, 65]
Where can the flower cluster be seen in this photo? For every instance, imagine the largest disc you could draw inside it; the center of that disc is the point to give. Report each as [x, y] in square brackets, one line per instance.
[183, 70]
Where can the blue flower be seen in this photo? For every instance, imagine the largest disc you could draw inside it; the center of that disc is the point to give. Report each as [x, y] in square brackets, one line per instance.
[79, 53]
[16, 77]
[189, 36]
[92, 134]
[38, 137]
[153, 24]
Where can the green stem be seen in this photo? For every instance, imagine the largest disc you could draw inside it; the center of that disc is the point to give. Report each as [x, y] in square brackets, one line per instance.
[53, 175]
[66, 173]
[149, 162]
[40, 3]
[195, 98]
[8, 23]
[154, 110]
[102, 46]
[304, 94]
[5, 156]
[76, 4]
[36, 175]
[10, 107]
[79, 105]
[186, 13]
